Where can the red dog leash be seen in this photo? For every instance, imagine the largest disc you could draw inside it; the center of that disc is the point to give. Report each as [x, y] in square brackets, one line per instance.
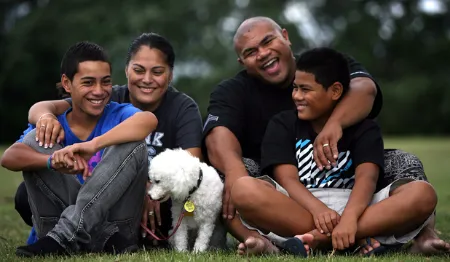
[163, 237]
[188, 208]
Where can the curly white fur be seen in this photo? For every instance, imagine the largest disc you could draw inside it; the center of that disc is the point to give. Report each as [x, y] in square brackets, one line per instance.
[173, 174]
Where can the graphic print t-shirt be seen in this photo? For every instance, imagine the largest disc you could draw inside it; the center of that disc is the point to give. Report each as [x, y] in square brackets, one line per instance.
[289, 140]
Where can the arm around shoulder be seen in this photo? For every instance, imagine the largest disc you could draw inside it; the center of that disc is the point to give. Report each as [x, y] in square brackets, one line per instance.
[361, 95]
[55, 107]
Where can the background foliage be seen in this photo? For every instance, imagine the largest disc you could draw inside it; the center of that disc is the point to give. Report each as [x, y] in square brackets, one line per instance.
[404, 44]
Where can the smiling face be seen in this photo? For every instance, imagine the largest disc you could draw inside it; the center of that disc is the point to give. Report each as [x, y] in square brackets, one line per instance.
[90, 88]
[265, 52]
[148, 76]
[313, 101]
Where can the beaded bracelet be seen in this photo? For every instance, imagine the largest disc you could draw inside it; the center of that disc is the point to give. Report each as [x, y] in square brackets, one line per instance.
[49, 163]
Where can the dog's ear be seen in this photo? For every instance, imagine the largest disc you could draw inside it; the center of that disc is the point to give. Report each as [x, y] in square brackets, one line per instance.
[181, 184]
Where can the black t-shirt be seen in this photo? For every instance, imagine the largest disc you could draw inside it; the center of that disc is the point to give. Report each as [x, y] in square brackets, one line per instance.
[245, 105]
[179, 121]
[289, 140]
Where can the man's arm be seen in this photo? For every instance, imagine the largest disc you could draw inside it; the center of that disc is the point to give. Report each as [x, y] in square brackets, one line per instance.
[20, 157]
[360, 96]
[362, 99]
[225, 154]
[223, 129]
[55, 107]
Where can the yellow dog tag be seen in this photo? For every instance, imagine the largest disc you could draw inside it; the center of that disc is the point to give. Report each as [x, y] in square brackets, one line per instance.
[189, 206]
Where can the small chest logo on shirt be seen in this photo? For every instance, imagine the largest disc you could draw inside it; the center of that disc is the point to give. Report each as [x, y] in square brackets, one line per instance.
[153, 140]
[310, 175]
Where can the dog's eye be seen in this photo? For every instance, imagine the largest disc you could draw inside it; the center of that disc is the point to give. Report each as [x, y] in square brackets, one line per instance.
[156, 181]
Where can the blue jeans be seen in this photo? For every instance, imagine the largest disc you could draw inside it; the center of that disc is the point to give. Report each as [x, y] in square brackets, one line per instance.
[83, 217]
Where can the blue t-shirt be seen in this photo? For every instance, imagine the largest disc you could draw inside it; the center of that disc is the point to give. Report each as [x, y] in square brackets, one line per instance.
[113, 114]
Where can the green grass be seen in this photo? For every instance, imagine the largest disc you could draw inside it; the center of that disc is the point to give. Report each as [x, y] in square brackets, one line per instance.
[434, 153]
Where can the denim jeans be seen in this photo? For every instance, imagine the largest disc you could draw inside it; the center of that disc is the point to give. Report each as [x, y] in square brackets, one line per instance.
[83, 217]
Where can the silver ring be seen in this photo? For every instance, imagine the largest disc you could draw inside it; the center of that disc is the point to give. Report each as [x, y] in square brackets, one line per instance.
[151, 213]
[325, 145]
[42, 126]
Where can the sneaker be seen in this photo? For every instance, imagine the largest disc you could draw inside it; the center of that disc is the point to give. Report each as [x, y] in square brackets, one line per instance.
[117, 244]
[44, 246]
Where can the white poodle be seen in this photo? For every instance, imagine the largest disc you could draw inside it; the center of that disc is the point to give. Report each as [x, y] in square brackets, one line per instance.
[182, 177]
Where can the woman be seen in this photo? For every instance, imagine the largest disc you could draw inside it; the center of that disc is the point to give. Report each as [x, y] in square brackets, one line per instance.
[149, 71]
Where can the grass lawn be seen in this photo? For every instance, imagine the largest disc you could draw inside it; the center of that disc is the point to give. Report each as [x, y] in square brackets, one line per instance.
[434, 153]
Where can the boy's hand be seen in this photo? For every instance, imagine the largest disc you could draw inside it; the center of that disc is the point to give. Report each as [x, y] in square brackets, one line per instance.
[85, 150]
[73, 166]
[325, 219]
[343, 235]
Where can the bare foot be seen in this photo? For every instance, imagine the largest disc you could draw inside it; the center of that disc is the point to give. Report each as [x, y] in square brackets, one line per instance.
[366, 248]
[308, 241]
[319, 240]
[429, 243]
[257, 246]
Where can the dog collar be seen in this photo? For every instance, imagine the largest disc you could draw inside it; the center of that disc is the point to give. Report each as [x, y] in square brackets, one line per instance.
[200, 178]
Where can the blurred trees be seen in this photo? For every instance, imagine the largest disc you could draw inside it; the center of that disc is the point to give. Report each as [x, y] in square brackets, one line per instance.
[403, 47]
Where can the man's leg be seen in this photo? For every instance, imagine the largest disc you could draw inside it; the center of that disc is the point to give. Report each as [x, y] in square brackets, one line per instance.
[251, 241]
[408, 207]
[120, 166]
[263, 207]
[400, 164]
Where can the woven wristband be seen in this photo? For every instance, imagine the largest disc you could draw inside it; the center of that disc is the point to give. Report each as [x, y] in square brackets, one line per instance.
[49, 163]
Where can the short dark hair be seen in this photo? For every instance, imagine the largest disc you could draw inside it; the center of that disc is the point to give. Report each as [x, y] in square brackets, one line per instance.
[81, 52]
[152, 40]
[327, 65]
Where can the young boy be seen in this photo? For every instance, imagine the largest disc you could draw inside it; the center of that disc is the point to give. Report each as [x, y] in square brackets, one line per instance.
[335, 206]
[103, 213]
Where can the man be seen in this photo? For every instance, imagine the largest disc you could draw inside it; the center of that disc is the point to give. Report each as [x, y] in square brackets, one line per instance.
[99, 209]
[241, 107]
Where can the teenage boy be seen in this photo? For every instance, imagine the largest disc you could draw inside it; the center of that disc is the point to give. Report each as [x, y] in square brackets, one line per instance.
[100, 208]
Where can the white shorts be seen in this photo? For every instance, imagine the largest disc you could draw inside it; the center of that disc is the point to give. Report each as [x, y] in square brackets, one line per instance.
[336, 199]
